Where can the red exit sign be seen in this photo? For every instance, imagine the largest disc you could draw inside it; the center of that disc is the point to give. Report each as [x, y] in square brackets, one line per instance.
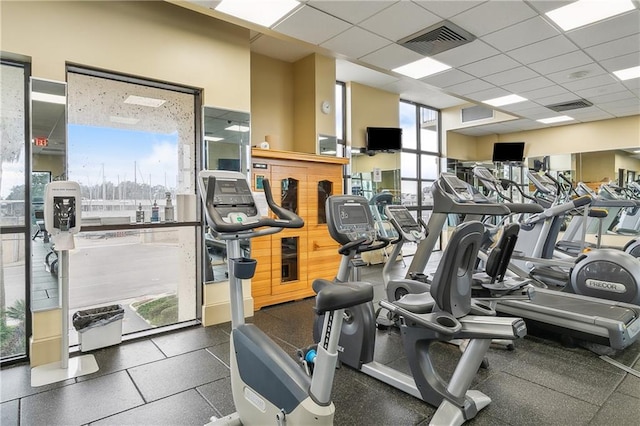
[41, 141]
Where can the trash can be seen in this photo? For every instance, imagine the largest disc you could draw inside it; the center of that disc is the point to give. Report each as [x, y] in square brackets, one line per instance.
[99, 327]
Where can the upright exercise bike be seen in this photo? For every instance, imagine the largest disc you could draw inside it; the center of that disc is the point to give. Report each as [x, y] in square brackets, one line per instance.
[440, 315]
[268, 386]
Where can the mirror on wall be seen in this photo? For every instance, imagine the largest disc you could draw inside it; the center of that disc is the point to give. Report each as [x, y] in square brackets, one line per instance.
[48, 163]
[372, 175]
[226, 147]
[328, 145]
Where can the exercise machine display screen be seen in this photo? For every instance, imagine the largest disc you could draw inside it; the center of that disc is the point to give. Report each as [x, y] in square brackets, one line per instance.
[350, 218]
[457, 188]
[232, 196]
[542, 183]
[403, 218]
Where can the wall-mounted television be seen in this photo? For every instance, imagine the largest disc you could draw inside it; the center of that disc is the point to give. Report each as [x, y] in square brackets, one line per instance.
[387, 139]
[504, 152]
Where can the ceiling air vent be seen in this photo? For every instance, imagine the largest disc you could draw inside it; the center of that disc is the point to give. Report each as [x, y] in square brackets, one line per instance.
[566, 106]
[475, 113]
[437, 38]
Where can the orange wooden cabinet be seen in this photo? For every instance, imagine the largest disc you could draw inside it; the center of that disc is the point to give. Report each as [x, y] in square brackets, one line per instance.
[290, 260]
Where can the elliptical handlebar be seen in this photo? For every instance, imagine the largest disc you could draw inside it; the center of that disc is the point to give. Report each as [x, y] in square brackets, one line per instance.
[362, 245]
[284, 217]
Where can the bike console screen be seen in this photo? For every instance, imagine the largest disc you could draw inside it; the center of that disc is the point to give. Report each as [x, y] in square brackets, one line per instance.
[231, 196]
[349, 218]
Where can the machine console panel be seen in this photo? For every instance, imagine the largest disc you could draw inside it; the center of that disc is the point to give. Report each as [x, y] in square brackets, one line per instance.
[411, 230]
[460, 191]
[232, 198]
[542, 183]
[349, 218]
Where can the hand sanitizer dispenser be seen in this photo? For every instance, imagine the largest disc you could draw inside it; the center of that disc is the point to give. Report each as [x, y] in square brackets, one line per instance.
[62, 211]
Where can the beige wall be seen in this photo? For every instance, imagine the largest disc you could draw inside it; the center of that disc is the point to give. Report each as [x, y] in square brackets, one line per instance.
[596, 166]
[459, 146]
[304, 98]
[369, 107]
[154, 40]
[272, 102]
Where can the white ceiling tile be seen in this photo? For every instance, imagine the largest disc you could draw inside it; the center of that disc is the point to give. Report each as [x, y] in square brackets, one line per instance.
[611, 97]
[619, 47]
[355, 42]
[466, 53]
[632, 84]
[400, 20]
[469, 87]
[522, 106]
[557, 99]
[561, 62]
[511, 76]
[474, 131]
[588, 113]
[447, 78]
[630, 102]
[521, 34]
[484, 95]
[347, 71]
[624, 112]
[492, 16]
[490, 65]
[622, 62]
[527, 85]
[574, 74]
[602, 90]
[447, 8]
[544, 6]
[544, 92]
[416, 91]
[591, 82]
[391, 56]
[351, 11]
[311, 25]
[544, 49]
[607, 30]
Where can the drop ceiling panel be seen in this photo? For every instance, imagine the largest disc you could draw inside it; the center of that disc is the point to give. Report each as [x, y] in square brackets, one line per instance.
[447, 8]
[347, 71]
[311, 25]
[592, 82]
[391, 56]
[447, 78]
[557, 99]
[602, 90]
[470, 86]
[544, 49]
[611, 97]
[621, 62]
[278, 49]
[465, 54]
[529, 110]
[490, 65]
[511, 76]
[561, 62]
[351, 11]
[521, 34]
[633, 84]
[589, 114]
[570, 74]
[484, 95]
[412, 90]
[400, 20]
[607, 30]
[528, 85]
[492, 16]
[619, 47]
[355, 42]
[544, 92]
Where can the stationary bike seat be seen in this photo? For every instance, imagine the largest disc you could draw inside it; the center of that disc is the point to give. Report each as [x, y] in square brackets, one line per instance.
[331, 296]
[418, 303]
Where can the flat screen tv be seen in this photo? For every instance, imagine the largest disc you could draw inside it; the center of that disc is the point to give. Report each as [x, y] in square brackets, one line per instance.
[387, 139]
[508, 152]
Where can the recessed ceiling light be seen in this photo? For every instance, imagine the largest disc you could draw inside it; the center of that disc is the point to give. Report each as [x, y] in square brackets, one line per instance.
[46, 97]
[557, 119]
[578, 74]
[261, 12]
[237, 128]
[141, 100]
[212, 138]
[123, 120]
[628, 73]
[422, 68]
[585, 12]
[505, 100]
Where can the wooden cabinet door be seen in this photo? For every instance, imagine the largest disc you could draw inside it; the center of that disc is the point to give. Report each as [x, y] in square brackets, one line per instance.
[289, 247]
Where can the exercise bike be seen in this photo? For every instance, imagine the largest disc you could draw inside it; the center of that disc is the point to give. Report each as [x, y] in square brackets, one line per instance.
[439, 315]
[268, 386]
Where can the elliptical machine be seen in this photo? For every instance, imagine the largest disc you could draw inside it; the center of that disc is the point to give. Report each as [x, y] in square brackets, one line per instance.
[348, 218]
[269, 386]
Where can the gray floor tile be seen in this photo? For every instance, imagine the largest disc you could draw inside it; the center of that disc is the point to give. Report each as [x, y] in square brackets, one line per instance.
[185, 408]
[219, 395]
[16, 383]
[9, 413]
[222, 352]
[121, 357]
[191, 339]
[176, 374]
[630, 386]
[619, 410]
[298, 333]
[81, 403]
[520, 402]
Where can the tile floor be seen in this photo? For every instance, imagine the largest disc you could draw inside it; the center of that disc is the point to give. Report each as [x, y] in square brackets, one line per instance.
[182, 378]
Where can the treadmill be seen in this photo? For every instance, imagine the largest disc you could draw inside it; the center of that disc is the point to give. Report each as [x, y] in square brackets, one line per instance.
[604, 322]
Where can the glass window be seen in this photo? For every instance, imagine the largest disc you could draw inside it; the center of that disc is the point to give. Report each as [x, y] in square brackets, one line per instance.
[429, 130]
[427, 196]
[408, 125]
[325, 190]
[340, 118]
[289, 190]
[289, 260]
[429, 167]
[409, 190]
[409, 163]
[13, 323]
